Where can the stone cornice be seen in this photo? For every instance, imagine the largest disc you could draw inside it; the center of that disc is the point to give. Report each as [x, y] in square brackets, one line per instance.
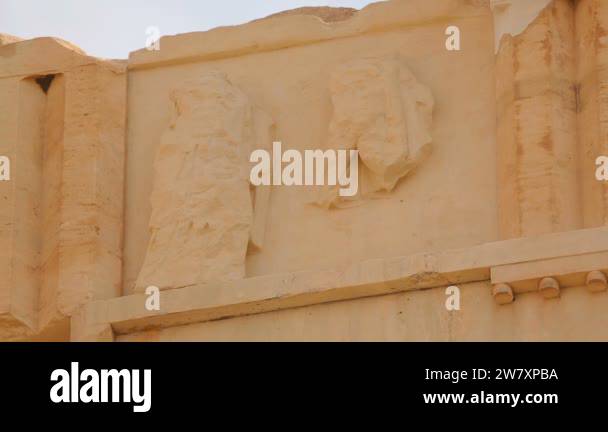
[521, 261]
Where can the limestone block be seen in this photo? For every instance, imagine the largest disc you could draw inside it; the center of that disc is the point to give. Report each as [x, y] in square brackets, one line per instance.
[84, 169]
[537, 130]
[43, 56]
[202, 209]
[503, 294]
[596, 281]
[326, 13]
[568, 271]
[62, 123]
[591, 21]
[380, 109]
[285, 65]
[22, 107]
[514, 16]
[85, 329]
[549, 288]
[297, 29]
[6, 39]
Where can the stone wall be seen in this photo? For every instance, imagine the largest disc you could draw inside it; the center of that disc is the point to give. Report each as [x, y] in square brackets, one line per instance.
[62, 125]
[477, 169]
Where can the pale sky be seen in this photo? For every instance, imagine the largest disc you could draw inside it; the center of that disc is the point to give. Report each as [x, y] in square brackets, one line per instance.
[113, 28]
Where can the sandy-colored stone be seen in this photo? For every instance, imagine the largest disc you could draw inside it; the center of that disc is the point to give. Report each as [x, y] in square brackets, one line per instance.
[327, 14]
[597, 281]
[549, 288]
[512, 17]
[63, 127]
[202, 210]
[116, 188]
[592, 59]
[293, 86]
[381, 110]
[537, 133]
[6, 39]
[503, 294]
[411, 316]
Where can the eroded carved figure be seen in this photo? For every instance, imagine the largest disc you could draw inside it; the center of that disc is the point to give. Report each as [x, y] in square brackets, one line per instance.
[380, 109]
[205, 215]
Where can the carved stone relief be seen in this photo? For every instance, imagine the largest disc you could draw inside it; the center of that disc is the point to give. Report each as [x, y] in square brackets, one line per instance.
[204, 212]
[381, 110]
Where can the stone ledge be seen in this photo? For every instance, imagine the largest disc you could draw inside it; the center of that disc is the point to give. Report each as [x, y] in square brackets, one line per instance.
[366, 279]
[569, 271]
[47, 55]
[295, 30]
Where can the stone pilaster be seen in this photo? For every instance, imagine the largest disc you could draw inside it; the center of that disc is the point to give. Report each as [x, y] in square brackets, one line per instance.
[591, 20]
[537, 126]
[62, 124]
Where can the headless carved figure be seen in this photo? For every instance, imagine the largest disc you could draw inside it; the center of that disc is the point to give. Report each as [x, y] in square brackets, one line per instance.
[202, 206]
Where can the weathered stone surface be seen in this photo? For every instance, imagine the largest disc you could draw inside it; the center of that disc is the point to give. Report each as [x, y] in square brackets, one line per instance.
[327, 14]
[285, 65]
[202, 215]
[537, 132]
[512, 17]
[294, 30]
[591, 21]
[22, 112]
[62, 124]
[514, 136]
[380, 109]
[6, 39]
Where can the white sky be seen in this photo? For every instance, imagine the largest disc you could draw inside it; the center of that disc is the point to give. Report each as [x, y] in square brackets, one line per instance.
[113, 28]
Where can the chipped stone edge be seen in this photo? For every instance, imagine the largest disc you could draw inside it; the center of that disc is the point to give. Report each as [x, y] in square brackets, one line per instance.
[296, 30]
